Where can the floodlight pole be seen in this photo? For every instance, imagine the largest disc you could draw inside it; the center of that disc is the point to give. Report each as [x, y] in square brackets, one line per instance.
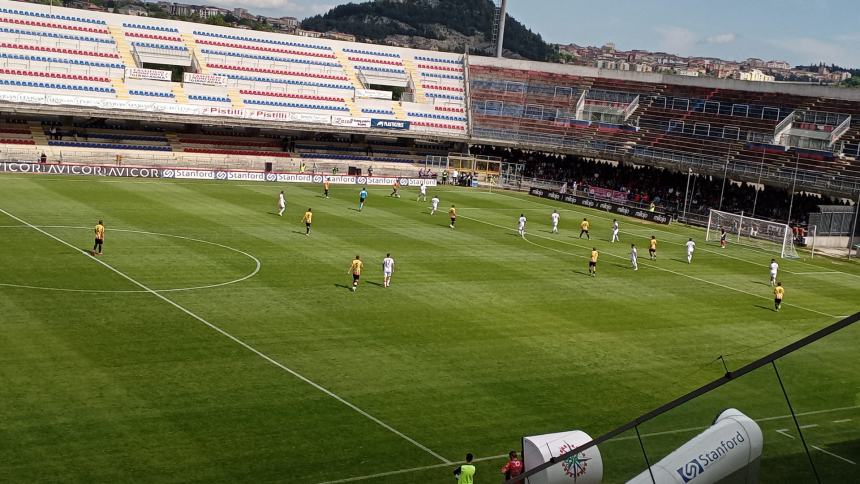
[793, 185]
[725, 173]
[686, 193]
[854, 229]
[760, 170]
[502, 16]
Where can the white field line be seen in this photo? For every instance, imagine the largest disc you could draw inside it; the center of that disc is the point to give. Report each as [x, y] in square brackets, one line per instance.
[577, 211]
[616, 439]
[808, 426]
[178, 289]
[642, 264]
[238, 341]
[414, 469]
[844, 420]
[784, 432]
[834, 455]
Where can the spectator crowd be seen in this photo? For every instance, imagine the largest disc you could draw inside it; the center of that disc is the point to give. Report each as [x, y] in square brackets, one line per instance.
[644, 184]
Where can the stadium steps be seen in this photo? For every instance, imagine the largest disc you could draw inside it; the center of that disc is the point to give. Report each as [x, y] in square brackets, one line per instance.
[399, 113]
[122, 46]
[235, 97]
[119, 87]
[420, 97]
[37, 131]
[348, 69]
[179, 93]
[189, 41]
[173, 141]
[354, 111]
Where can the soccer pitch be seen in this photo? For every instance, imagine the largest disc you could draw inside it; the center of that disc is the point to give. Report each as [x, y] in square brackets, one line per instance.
[214, 342]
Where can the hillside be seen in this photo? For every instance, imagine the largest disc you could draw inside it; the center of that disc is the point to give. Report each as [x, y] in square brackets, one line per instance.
[448, 25]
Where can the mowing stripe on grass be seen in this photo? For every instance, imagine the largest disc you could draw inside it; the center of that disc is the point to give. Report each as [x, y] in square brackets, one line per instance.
[642, 265]
[237, 340]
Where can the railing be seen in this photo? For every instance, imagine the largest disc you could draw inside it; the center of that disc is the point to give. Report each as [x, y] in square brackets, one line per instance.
[802, 418]
[837, 132]
[806, 179]
[630, 109]
[580, 104]
[783, 127]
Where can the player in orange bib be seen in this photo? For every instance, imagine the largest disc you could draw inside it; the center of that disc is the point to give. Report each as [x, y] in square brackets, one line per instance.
[592, 263]
[652, 248]
[326, 186]
[307, 219]
[355, 270]
[100, 238]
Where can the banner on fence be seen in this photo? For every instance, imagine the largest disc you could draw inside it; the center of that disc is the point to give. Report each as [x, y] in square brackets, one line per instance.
[146, 74]
[660, 218]
[350, 122]
[374, 94]
[389, 124]
[204, 79]
[194, 174]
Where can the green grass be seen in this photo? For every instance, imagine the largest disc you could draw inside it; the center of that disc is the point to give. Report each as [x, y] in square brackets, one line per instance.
[483, 337]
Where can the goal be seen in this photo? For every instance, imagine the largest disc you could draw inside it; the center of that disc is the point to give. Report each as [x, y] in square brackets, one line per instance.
[755, 232]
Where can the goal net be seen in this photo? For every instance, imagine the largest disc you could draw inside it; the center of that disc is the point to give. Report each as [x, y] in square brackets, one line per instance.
[755, 232]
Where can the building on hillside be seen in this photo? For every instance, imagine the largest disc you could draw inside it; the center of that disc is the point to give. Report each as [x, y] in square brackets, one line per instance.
[339, 36]
[135, 10]
[754, 75]
[780, 65]
[287, 24]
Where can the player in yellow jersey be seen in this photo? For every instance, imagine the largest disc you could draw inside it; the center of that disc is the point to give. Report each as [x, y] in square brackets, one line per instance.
[307, 219]
[778, 293]
[100, 238]
[355, 270]
[583, 228]
[452, 212]
[326, 186]
[592, 263]
[652, 248]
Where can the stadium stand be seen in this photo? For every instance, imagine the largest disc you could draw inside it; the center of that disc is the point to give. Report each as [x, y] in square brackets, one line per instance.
[95, 60]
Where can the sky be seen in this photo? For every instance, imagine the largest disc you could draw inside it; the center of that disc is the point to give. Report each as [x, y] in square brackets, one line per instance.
[797, 31]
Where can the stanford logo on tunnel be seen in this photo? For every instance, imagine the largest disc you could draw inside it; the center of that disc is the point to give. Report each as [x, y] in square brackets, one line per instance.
[167, 173]
[574, 466]
[690, 470]
[318, 178]
[221, 175]
[271, 177]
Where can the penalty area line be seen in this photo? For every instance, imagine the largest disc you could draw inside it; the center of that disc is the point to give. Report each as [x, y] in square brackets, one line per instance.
[238, 341]
[650, 266]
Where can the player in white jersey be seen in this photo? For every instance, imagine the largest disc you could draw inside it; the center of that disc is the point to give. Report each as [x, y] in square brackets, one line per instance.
[521, 226]
[615, 231]
[634, 257]
[555, 216]
[387, 270]
[691, 246]
[422, 193]
[774, 268]
[434, 205]
[282, 204]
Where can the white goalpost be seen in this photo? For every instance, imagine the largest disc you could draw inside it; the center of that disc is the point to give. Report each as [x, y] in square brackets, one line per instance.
[754, 232]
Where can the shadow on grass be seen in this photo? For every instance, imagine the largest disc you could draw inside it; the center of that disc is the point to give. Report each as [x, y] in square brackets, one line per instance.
[374, 283]
[342, 286]
[767, 308]
[761, 283]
